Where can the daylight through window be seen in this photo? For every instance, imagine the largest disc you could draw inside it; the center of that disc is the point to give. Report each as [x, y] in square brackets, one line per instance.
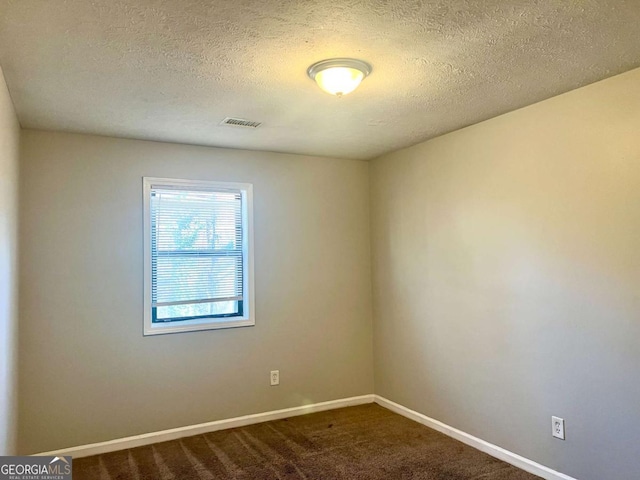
[198, 255]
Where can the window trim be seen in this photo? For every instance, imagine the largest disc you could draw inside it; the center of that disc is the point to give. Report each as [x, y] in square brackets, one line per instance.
[209, 323]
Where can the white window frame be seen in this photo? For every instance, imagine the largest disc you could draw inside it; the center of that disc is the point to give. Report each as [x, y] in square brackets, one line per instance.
[248, 317]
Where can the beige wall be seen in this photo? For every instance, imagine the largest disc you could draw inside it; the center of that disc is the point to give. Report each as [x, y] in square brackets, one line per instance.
[9, 144]
[506, 279]
[86, 372]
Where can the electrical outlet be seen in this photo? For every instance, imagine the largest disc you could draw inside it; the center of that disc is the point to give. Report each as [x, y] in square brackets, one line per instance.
[275, 377]
[557, 427]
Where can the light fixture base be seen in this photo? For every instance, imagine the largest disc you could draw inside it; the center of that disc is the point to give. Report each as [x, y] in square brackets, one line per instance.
[317, 67]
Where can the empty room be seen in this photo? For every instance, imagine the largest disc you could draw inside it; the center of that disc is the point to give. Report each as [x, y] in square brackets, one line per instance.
[319, 240]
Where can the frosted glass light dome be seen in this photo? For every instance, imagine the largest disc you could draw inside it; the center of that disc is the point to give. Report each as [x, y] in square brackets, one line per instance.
[339, 76]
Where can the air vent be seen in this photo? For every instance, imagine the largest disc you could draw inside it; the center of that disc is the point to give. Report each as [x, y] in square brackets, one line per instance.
[240, 122]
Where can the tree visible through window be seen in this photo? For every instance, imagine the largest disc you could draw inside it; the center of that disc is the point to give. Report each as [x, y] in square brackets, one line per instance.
[198, 249]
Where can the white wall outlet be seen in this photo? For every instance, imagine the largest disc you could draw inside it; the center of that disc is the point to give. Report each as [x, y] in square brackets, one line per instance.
[557, 427]
[275, 377]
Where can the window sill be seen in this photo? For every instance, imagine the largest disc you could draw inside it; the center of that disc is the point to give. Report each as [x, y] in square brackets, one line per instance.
[162, 328]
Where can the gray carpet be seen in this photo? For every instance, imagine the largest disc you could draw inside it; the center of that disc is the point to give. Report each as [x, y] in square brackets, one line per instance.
[366, 442]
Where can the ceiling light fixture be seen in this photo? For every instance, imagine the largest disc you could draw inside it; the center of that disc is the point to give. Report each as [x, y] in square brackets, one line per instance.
[339, 76]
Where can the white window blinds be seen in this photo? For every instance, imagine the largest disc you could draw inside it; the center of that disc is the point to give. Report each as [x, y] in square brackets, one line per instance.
[197, 255]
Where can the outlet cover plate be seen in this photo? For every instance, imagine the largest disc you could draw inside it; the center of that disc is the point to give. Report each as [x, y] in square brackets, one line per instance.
[275, 377]
[557, 427]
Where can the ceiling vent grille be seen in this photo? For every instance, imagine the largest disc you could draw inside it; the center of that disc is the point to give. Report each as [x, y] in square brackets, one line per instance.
[240, 122]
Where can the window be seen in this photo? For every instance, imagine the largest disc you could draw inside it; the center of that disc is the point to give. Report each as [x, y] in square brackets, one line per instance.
[198, 256]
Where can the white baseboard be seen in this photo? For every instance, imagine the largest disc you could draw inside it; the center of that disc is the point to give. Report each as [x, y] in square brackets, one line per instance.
[486, 447]
[174, 433]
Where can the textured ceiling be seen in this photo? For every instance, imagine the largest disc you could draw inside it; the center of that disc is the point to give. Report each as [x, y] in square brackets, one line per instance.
[173, 69]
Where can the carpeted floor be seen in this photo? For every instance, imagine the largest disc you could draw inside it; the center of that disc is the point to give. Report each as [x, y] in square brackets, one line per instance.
[367, 442]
